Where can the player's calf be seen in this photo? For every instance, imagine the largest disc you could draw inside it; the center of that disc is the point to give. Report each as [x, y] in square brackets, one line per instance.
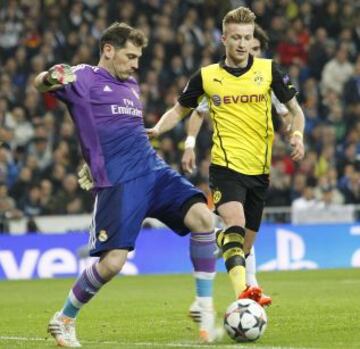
[232, 242]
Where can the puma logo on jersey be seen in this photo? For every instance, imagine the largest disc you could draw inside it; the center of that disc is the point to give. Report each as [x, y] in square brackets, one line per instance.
[219, 81]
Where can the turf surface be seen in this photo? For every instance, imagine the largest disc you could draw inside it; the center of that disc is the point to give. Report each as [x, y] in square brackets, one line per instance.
[312, 309]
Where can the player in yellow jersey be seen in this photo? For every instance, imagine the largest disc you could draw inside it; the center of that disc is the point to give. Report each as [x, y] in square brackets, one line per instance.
[239, 92]
[188, 161]
[260, 43]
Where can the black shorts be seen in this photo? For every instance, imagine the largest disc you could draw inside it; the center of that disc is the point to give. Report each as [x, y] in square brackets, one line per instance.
[228, 185]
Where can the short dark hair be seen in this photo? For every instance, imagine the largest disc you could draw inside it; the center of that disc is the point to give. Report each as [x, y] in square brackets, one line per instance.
[119, 33]
[260, 34]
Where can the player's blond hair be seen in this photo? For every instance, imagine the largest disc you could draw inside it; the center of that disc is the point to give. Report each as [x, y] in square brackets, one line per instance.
[240, 15]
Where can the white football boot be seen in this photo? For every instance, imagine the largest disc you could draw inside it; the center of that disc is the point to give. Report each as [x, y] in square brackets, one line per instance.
[63, 331]
[206, 318]
[195, 311]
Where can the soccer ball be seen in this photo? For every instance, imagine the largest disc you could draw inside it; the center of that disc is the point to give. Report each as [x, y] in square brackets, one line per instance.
[245, 320]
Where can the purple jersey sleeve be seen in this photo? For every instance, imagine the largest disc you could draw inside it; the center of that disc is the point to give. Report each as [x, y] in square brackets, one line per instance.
[80, 87]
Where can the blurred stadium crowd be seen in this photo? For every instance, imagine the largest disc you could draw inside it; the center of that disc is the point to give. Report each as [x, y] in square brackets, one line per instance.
[316, 41]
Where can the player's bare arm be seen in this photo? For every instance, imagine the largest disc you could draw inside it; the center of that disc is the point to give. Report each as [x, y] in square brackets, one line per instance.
[55, 78]
[296, 139]
[187, 101]
[188, 160]
[169, 120]
[287, 122]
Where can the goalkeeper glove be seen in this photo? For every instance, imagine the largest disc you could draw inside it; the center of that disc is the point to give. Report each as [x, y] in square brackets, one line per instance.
[86, 181]
[59, 74]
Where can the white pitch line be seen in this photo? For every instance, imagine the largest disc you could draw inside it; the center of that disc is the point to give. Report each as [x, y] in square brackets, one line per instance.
[149, 344]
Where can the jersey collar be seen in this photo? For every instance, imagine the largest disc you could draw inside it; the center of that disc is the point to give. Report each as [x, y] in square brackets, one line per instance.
[102, 71]
[237, 71]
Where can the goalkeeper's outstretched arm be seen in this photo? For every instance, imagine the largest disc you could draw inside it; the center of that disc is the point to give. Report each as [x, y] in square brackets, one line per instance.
[55, 78]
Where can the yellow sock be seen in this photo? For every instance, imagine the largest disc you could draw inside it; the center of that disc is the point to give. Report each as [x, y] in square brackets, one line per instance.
[238, 279]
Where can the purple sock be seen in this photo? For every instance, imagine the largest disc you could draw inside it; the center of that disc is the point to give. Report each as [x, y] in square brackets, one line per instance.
[202, 253]
[86, 286]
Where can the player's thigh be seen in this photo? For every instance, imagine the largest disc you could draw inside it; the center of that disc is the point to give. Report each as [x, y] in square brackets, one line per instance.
[174, 197]
[229, 195]
[118, 215]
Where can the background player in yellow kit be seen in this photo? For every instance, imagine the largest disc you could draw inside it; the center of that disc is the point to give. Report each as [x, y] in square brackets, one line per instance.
[239, 92]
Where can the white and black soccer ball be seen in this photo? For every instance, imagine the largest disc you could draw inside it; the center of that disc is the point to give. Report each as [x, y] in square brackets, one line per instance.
[245, 320]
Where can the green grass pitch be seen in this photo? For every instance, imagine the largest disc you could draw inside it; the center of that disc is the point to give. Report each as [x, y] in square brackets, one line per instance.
[312, 309]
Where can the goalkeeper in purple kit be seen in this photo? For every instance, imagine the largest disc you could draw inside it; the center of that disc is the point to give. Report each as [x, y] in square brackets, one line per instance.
[130, 181]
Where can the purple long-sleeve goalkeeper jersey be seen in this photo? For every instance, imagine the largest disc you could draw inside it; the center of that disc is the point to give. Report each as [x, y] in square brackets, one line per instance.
[108, 116]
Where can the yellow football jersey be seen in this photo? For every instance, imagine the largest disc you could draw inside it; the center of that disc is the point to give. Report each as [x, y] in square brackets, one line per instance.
[240, 109]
